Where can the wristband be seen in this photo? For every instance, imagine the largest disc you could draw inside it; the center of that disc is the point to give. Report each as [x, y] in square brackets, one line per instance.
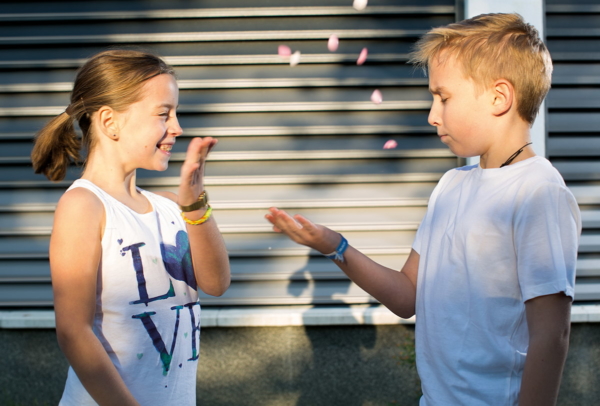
[338, 254]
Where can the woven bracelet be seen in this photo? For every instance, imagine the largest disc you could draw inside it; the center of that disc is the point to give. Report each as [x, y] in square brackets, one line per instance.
[200, 220]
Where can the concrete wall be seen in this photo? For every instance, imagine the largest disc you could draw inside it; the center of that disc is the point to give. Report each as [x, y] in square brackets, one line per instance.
[338, 365]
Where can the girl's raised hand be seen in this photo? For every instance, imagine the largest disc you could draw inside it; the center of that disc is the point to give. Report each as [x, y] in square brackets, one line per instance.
[302, 231]
[192, 171]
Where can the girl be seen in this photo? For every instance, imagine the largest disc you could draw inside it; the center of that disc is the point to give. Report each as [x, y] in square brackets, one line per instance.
[126, 263]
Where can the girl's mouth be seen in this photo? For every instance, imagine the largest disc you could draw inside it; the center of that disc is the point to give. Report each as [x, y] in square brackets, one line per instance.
[165, 147]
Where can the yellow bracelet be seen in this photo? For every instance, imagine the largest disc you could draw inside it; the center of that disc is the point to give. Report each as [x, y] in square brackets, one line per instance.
[200, 220]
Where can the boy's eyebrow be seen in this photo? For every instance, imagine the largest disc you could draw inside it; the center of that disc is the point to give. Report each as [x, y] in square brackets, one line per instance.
[437, 90]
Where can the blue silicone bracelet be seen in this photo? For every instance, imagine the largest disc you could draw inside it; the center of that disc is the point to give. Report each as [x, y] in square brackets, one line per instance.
[338, 254]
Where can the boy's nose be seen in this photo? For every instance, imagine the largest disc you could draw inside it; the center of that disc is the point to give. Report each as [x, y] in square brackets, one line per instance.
[433, 118]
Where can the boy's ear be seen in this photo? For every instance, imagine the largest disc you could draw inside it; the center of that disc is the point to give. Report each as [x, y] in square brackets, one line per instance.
[107, 122]
[504, 97]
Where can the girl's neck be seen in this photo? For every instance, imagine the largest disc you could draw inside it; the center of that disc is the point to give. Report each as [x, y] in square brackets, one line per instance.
[110, 179]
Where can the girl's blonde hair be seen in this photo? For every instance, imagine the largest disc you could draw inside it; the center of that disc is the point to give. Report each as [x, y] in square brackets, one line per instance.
[111, 78]
[490, 47]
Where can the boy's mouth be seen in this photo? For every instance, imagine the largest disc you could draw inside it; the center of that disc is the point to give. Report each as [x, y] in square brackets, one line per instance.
[166, 147]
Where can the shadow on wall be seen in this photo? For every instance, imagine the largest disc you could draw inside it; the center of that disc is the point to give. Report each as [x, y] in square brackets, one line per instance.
[309, 365]
[321, 381]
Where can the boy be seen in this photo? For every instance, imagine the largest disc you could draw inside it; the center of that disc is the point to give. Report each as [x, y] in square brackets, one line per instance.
[491, 273]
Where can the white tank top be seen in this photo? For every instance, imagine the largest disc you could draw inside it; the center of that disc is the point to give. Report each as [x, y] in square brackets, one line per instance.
[147, 310]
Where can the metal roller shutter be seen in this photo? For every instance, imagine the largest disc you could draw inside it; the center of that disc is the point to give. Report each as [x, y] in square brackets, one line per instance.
[573, 144]
[304, 138]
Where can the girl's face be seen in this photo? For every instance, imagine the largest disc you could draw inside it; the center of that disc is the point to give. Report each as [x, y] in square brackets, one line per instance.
[147, 129]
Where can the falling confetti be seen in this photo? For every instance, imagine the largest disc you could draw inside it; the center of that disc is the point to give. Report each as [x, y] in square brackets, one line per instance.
[390, 144]
[295, 58]
[362, 57]
[376, 97]
[360, 4]
[333, 43]
[284, 51]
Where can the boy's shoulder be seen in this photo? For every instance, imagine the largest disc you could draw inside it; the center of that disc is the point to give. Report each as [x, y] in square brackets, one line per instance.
[534, 178]
[530, 171]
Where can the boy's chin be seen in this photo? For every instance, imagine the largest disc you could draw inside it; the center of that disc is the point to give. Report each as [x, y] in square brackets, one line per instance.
[461, 153]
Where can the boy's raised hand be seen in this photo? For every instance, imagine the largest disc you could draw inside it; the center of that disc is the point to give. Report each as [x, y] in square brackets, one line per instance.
[192, 170]
[303, 231]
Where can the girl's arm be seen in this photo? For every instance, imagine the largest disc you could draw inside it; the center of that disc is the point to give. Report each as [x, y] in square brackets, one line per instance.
[209, 254]
[75, 253]
[395, 290]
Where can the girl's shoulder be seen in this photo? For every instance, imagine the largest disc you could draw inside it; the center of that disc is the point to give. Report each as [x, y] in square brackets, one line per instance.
[80, 197]
[79, 216]
[167, 195]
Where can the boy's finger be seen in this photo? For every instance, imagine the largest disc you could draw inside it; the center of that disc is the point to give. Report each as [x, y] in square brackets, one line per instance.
[304, 222]
[287, 224]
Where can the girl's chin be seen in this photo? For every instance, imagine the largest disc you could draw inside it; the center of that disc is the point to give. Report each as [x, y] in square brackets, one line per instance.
[157, 167]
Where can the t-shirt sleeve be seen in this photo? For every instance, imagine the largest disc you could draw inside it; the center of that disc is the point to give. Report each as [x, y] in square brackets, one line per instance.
[416, 245]
[546, 235]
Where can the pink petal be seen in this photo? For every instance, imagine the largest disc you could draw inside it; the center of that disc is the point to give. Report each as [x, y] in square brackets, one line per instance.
[333, 43]
[390, 144]
[360, 4]
[362, 57]
[295, 58]
[284, 51]
[376, 97]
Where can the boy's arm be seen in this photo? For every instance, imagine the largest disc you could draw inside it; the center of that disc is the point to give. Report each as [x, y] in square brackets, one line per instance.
[396, 290]
[549, 323]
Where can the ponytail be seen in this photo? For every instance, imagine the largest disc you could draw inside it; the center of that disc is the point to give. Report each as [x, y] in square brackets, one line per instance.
[56, 147]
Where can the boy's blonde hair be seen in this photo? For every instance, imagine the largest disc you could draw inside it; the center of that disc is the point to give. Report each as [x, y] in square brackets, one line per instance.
[490, 47]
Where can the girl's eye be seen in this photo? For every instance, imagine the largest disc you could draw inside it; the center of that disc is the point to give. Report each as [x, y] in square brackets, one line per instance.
[444, 100]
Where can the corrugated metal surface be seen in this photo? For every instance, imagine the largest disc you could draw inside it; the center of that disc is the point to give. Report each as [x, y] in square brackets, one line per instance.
[573, 145]
[305, 138]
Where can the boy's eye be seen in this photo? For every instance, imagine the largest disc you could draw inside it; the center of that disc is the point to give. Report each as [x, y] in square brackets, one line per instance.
[444, 100]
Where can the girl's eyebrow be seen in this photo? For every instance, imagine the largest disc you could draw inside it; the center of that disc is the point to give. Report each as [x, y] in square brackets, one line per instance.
[167, 105]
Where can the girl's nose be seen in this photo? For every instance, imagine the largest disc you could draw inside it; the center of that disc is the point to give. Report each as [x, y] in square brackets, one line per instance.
[175, 128]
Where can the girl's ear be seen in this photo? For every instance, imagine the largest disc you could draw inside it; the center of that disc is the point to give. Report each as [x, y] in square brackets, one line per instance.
[504, 97]
[107, 122]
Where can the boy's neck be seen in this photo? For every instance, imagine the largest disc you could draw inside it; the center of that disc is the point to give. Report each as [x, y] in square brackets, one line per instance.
[507, 140]
[520, 154]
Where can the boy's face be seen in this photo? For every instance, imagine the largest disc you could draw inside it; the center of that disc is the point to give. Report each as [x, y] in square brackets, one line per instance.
[459, 110]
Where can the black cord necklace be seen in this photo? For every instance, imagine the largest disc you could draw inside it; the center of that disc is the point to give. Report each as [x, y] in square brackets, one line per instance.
[516, 154]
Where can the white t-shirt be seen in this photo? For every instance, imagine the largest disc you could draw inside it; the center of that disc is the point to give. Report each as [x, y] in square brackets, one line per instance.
[491, 240]
[147, 310]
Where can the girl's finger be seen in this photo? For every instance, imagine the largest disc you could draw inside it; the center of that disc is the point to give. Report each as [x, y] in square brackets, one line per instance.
[188, 170]
[193, 151]
[199, 148]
